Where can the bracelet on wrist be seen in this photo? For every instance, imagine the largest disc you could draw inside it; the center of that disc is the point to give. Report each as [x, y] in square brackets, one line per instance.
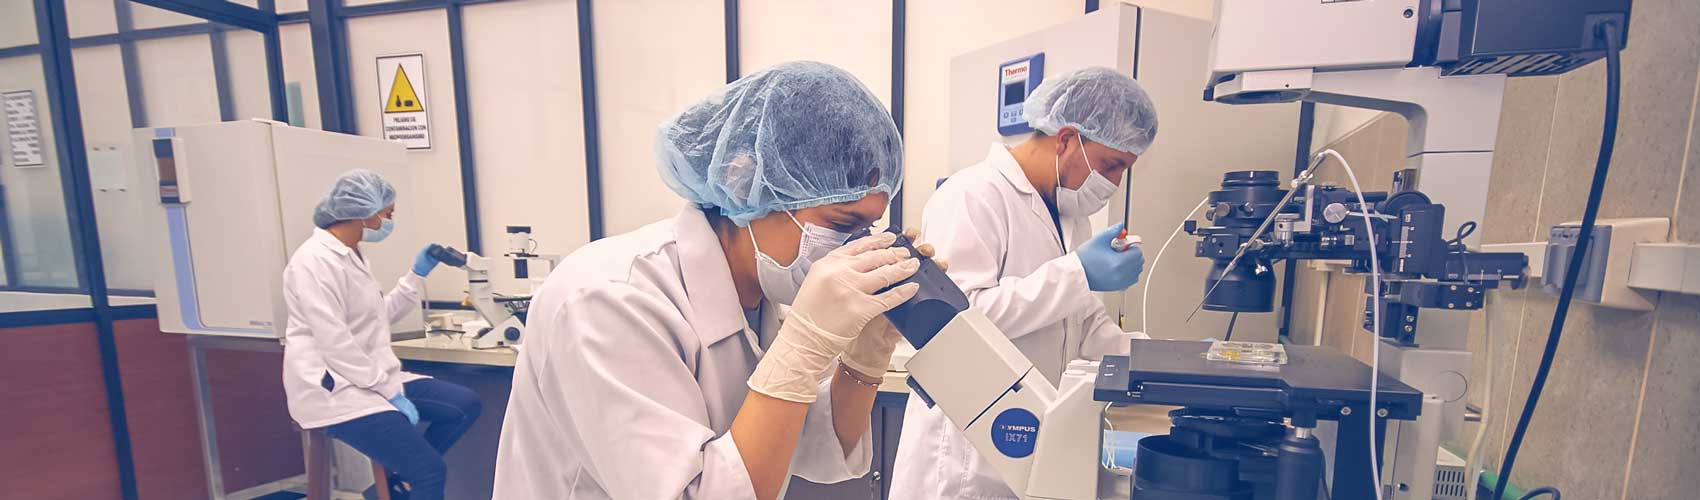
[858, 378]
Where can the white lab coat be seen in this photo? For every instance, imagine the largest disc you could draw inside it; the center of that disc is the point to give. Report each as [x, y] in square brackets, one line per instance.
[339, 326]
[989, 222]
[636, 361]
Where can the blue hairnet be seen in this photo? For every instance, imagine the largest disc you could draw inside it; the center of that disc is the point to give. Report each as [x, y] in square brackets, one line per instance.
[793, 136]
[1107, 107]
[357, 194]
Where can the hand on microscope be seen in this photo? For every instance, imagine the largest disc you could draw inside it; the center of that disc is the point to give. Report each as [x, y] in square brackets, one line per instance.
[840, 296]
[425, 262]
[870, 353]
[1110, 267]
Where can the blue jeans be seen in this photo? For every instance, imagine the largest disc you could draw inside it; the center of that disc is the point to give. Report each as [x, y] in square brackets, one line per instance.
[387, 437]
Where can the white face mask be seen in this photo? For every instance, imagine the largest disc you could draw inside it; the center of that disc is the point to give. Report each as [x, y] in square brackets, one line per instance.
[781, 283]
[370, 235]
[1091, 197]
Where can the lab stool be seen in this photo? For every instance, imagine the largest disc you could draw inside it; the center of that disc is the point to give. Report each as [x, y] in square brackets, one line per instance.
[319, 450]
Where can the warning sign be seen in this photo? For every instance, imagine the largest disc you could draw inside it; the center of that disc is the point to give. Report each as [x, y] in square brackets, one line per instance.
[402, 97]
[401, 80]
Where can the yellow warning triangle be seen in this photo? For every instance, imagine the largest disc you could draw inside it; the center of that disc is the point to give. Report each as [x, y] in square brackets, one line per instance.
[402, 97]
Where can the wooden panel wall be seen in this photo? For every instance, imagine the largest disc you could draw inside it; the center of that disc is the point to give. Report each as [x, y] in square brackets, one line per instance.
[55, 439]
[257, 443]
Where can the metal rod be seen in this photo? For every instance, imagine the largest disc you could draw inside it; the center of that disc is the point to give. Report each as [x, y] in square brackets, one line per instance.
[274, 66]
[8, 253]
[230, 13]
[204, 418]
[133, 84]
[1127, 185]
[274, 73]
[899, 44]
[221, 76]
[1301, 156]
[592, 135]
[463, 131]
[60, 73]
[730, 20]
[21, 50]
[324, 24]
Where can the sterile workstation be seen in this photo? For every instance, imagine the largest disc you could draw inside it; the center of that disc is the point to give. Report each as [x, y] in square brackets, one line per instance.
[767, 249]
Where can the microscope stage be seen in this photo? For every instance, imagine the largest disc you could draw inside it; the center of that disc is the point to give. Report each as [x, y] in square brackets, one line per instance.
[1315, 380]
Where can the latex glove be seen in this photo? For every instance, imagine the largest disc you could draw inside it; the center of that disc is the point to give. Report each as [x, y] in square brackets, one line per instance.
[870, 353]
[1108, 270]
[401, 403]
[835, 304]
[424, 263]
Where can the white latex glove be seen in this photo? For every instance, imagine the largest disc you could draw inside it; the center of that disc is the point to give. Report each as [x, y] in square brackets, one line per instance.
[835, 304]
[870, 353]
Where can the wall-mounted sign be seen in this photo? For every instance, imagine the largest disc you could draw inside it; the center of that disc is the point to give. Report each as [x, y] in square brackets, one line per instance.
[401, 81]
[23, 128]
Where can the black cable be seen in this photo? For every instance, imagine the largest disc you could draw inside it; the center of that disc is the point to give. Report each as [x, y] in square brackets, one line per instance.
[1231, 319]
[1545, 490]
[1608, 137]
[1464, 231]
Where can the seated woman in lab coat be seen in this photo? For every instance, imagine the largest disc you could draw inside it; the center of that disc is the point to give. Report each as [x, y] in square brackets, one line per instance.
[657, 364]
[338, 369]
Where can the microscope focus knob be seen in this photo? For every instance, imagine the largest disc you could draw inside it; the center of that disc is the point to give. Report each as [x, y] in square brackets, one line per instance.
[1220, 210]
[1334, 213]
[511, 334]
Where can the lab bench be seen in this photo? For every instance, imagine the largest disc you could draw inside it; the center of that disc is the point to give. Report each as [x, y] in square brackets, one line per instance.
[489, 373]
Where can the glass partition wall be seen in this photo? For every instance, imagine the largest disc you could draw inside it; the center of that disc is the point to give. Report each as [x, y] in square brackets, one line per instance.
[77, 77]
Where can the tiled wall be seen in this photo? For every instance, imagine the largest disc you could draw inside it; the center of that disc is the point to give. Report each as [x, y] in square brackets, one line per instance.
[1618, 418]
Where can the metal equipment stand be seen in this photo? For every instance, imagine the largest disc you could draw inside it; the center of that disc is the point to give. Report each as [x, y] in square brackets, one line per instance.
[198, 346]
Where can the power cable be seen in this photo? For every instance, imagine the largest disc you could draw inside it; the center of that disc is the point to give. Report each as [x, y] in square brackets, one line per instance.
[1608, 137]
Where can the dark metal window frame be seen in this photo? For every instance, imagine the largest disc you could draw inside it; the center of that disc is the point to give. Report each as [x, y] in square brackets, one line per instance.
[54, 45]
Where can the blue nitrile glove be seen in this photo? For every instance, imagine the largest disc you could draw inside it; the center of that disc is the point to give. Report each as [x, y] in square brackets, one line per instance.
[424, 263]
[1108, 270]
[400, 402]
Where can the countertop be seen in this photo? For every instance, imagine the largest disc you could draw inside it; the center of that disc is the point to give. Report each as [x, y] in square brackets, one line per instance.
[451, 349]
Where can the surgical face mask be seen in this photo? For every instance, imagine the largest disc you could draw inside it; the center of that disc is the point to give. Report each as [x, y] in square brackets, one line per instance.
[781, 283]
[1091, 197]
[370, 235]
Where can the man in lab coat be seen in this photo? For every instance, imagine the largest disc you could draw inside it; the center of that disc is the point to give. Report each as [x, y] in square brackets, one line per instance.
[1014, 228]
